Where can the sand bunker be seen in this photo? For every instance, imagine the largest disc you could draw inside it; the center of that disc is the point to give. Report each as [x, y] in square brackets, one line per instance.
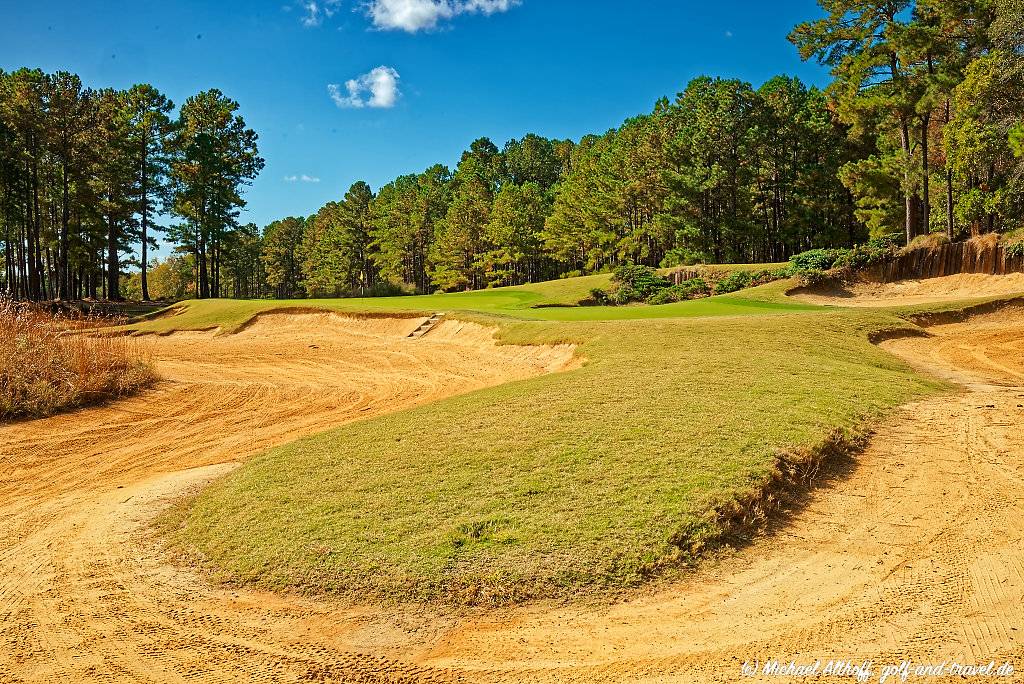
[909, 292]
[284, 376]
[984, 352]
[912, 551]
[73, 604]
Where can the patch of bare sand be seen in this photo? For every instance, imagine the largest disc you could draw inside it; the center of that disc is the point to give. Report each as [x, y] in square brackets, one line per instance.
[912, 552]
[79, 597]
[910, 292]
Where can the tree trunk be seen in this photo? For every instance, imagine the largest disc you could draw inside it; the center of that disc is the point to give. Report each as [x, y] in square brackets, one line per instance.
[905, 144]
[950, 224]
[926, 206]
[113, 262]
[908, 195]
[926, 225]
[145, 221]
[65, 217]
[204, 277]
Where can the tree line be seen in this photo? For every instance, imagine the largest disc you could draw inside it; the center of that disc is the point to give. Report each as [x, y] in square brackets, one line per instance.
[725, 172]
[919, 131]
[87, 175]
[933, 93]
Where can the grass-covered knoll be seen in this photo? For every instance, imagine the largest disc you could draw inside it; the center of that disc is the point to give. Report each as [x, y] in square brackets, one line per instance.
[595, 478]
[548, 301]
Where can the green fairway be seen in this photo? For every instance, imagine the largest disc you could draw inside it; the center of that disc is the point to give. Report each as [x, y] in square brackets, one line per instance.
[596, 478]
[549, 301]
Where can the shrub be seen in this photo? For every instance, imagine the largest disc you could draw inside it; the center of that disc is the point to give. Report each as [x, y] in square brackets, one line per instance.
[636, 283]
[815, 277]
[862, 256]
[386, 288]
[48, 365]
[733, 282]
[769, 276]
[642, 279]
[599, 297]
[875, 251]
[929, 241]
[886, 243]
[816, 260]
[644, 284]
[1013, 243]
[690, 289]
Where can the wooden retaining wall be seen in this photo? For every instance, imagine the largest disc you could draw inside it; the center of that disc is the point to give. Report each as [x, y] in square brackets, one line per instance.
[683, 275]
[973, 256]
[980, 255]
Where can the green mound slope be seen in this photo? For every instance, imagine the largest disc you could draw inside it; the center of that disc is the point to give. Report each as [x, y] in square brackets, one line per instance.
[596, 478]
[549, 301]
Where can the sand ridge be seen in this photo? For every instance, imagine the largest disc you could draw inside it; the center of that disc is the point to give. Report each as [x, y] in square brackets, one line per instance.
[911, 292]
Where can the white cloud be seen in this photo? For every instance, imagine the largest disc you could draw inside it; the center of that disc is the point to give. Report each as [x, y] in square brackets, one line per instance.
[418, 15]
[316, 10]
[303, 178]
[378, 89]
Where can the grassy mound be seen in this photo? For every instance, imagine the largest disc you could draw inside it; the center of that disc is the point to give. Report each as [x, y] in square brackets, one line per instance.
[550, 301]
[596, 478]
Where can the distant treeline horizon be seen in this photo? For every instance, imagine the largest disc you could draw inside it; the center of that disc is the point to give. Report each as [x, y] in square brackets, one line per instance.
[920, 131]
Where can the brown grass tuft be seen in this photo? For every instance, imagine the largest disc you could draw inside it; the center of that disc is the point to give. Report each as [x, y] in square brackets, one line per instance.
[931, 242]
[50, 363]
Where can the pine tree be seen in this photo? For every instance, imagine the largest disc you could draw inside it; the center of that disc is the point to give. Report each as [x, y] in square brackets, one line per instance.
[214, 156]
[149, 126]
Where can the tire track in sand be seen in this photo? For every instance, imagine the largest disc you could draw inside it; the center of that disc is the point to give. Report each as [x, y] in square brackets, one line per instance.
[84, 596]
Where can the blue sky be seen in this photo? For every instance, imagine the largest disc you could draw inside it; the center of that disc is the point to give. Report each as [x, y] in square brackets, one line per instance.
[454, 70]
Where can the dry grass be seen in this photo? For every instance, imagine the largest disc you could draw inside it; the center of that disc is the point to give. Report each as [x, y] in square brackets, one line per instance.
[49, 363]
[931, 241]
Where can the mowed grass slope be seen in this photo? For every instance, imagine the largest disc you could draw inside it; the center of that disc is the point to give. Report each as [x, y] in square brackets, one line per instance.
[548, 301]
[595, 478]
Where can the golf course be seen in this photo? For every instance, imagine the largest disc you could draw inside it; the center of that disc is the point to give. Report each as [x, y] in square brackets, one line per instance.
[512, 342]
[524, 494]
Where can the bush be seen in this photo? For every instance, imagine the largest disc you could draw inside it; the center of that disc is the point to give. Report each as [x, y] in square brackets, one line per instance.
[641, 279]
[1013, 243]
[768, 276]
[875, 251]
[816, 260]
[861, 257]
[636, 283]
[929, 241]
[599, 297]
[691, 289]
[644, 284]
[733, 282]
[46, 366]
[886, 243]
[386, 288]
[815, 277]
